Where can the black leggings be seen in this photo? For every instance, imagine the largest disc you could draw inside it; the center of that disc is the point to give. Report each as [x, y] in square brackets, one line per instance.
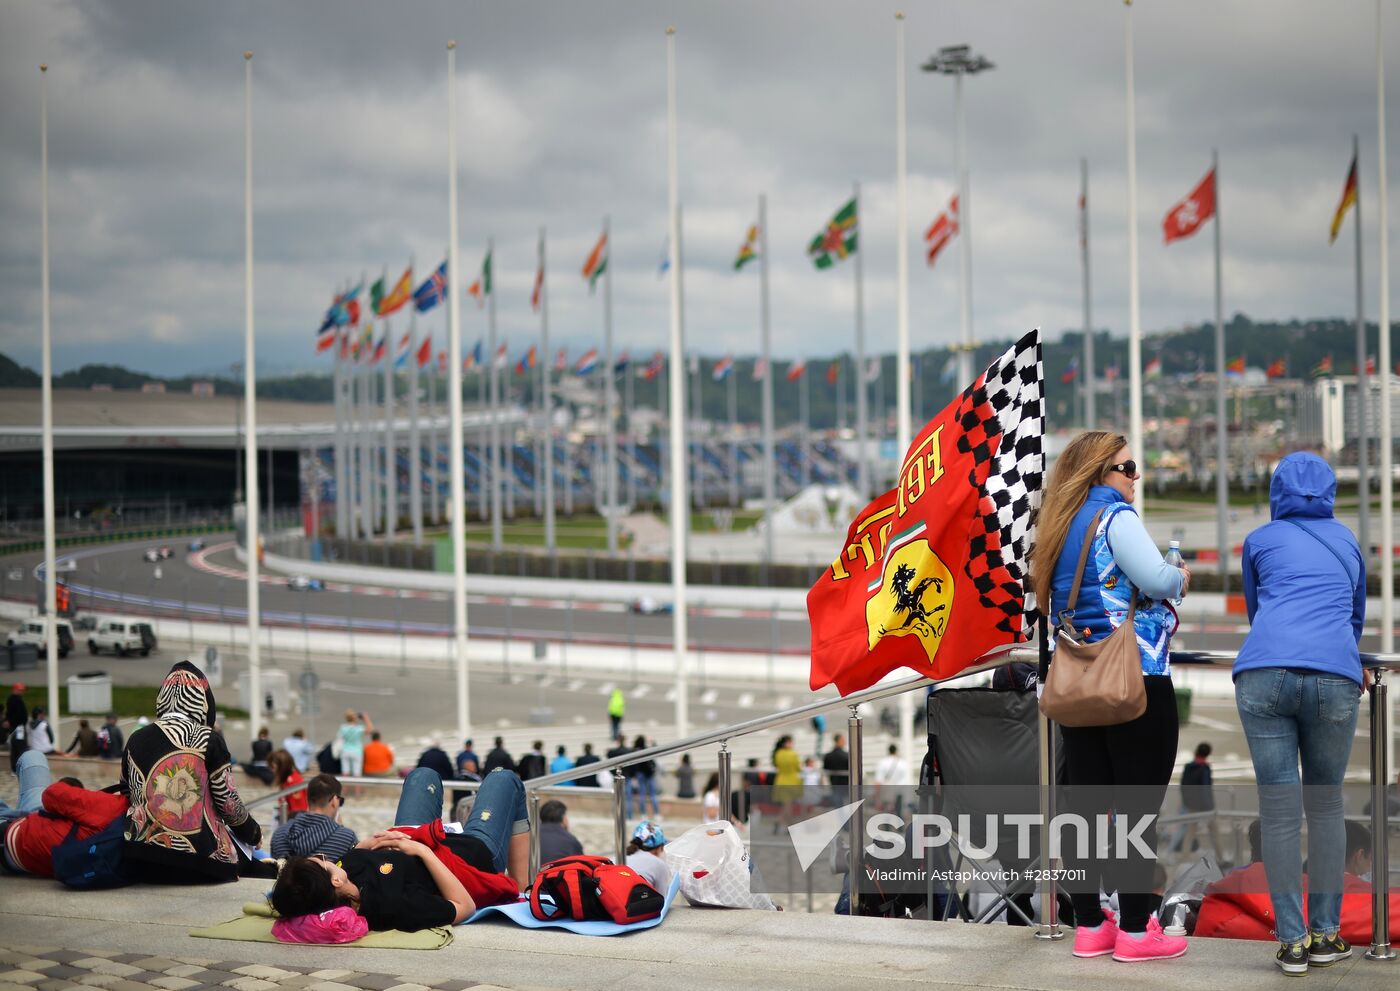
[1141, 754]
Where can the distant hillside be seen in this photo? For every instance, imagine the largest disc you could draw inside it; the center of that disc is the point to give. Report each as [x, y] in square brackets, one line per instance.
[13, 376]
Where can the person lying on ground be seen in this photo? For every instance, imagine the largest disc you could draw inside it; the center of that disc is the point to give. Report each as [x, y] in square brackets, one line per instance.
[49, 814]
[419, 874]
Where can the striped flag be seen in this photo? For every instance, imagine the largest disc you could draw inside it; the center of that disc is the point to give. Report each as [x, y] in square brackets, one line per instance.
[655, 367]
[561, 360]
[942, 230]
[401, 353]
[796, 369]
[472, 359]
[1348, 201]
[587, 363]
[1153, 370]
[502, 358]
[748, 251]
[620, 365]
[597, 262]
[723, 368]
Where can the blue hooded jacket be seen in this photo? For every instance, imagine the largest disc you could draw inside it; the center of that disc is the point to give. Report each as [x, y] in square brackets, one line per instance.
[1305, 605]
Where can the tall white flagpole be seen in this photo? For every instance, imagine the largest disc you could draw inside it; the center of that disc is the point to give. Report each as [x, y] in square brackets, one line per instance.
[457, 510]
[50, 506]
[904, 424]
[434, 372]
[862, 432]
[965, 351]
[1222, 432]
[415, 446]
[547, 400]
[609, 396]
[766, 386]
[680, 512]
[342, 476]
[497, 402]
[1363, 386]
[1090, 400]
[1135, 438]
[250, 413]
[1387, 379]
[733, 384]
[391, 468]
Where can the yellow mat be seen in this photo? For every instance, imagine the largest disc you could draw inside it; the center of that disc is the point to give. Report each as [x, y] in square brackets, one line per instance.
[255, 926]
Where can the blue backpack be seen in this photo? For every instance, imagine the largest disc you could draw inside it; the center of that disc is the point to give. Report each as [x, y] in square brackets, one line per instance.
[95, 862]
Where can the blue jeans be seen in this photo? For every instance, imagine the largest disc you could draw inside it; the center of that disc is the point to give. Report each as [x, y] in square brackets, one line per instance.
[644, 787]
[497, 814]
[32, 769]
[1290, 714]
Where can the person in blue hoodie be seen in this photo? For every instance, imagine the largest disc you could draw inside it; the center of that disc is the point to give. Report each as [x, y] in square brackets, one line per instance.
[1095, 477]
[1298, 686]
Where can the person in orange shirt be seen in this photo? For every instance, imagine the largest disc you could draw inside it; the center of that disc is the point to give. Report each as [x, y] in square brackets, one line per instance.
[379, 757]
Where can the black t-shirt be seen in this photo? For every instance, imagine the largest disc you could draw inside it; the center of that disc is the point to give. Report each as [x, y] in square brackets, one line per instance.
[836, 764]
[396, 890]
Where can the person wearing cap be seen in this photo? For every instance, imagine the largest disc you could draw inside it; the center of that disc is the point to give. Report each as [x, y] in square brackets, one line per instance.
[645, 855]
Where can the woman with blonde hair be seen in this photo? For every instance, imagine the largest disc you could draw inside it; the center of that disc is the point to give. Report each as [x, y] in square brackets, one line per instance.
[1123, 769]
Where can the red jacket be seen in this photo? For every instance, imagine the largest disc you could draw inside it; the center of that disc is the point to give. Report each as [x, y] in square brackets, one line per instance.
[484, 889]
[1238, 907]
[30, 841]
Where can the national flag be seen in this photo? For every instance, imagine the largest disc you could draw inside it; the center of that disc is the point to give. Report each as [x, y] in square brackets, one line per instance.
[833, 372]
[472, 359]
[935, 573]
[587, 363]
[530, 355]
[520, 367]
[345, 346]
[502, 357]
[1198, 207]
[397, 297]
[1323, 367]
[345, 308]
[621, 363]
[380, 349]
[597, 262]
[442, 362]
[837, 240]
[327, 334]
[796, 369]
[481, 288]
[402, 352]
[1348, 201]
[1153, 369]
[561, 360]
[537, 293]
[1277, 369]
[872, 370]
[655, 367]
[760, 369]
[361, 347]
[1370, 364]
[433, 290]
[352, 311]
[1071, 371]
[941, 231]
[748, 251]
[475, 292]
[425, 351]
[723, 368]
[1110, 373]
[1235, 366]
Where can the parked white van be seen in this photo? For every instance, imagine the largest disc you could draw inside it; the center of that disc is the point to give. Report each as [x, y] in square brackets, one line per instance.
[32, 631]
[122, 635]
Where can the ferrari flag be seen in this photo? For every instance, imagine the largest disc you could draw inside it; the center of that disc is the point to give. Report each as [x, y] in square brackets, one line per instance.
[935, 573]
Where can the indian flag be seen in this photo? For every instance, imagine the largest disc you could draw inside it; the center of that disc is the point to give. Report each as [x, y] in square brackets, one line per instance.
[597, 262]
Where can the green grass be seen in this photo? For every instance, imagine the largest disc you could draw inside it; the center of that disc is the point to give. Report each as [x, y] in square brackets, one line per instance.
[128, 701]
[704, 521]
[574, 533]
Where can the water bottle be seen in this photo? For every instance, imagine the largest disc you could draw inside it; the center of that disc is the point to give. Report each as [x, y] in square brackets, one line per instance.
[1174, 558]
[1176, 920]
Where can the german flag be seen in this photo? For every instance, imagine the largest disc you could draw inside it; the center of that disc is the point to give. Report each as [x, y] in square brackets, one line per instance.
[1348, 201]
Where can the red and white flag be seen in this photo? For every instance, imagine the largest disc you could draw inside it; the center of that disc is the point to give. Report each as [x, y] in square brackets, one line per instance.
[1183, 219]
[941, 231]
[561, 360]
[796, 369]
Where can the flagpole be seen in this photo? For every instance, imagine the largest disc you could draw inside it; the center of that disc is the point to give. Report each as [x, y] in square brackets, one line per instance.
[1135, 438]
[391, 468]
[1087, 380]
[862, 432]
[609, 413]
[250, 415]
[804, 414]
[766, 386]
[904, 427]
[457, 509]
[336, 437]
[415, 449]
[1363, 386]
[366, 458]
[1387, 371]
[733, 439]
[434, 509]
[1222, 432]
[628, 400]
[546, 400]
[697, 413]
[497, 401]
[680, 515]
[485, 470]
[50, 502]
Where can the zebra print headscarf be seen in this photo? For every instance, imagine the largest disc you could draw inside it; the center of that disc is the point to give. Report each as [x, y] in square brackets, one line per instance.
[185, 707]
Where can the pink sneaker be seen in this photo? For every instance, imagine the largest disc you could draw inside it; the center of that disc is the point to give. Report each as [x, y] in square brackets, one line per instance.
[1151, 945]
[1096, 942]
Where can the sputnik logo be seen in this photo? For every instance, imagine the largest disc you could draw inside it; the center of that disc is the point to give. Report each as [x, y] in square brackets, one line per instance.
[811, 836]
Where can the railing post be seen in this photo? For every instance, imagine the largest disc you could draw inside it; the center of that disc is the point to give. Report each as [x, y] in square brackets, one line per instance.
[620, 814]
[533, 800]
[1049, 927]
[1380, 840]
[726, 805]
[853, 785]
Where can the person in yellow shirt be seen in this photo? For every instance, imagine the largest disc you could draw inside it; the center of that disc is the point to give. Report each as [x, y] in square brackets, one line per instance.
[379, 757]
[787, 786]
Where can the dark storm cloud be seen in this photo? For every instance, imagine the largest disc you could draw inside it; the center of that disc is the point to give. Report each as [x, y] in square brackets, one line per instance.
[562, 122]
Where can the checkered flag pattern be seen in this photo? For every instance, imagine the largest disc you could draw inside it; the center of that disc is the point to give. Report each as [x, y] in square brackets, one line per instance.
[1003, 421]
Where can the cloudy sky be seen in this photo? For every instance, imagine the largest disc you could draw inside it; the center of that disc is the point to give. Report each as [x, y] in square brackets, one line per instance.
[562, 121]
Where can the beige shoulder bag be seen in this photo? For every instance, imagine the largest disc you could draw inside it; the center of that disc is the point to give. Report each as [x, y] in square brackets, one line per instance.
[1094, 684]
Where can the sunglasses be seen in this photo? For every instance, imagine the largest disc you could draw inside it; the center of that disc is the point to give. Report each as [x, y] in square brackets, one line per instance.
[1129, 468]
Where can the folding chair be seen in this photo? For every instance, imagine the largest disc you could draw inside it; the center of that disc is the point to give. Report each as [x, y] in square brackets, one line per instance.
[979, 738]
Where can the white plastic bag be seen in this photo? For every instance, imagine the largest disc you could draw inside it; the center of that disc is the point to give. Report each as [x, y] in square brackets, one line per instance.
[714, 868]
